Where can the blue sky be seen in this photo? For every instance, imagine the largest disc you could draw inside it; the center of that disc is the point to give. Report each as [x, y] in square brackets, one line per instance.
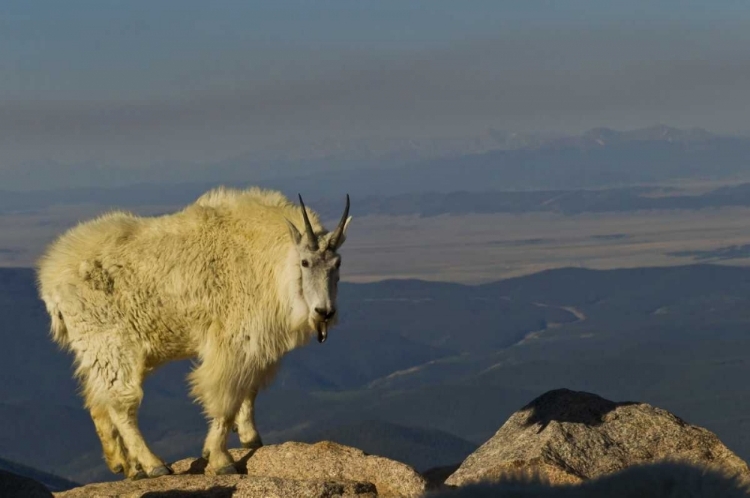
[140, 49]
[121, 81]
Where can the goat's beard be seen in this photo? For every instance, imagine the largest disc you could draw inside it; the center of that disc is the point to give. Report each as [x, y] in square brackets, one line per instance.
[321, 327]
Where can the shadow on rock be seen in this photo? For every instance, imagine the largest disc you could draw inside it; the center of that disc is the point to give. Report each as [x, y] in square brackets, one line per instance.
[198, 466]
[564, 405]
[215, 492]
[661, 480]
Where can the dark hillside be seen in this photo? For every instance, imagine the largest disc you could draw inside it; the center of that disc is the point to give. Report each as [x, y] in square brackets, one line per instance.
[448, 359]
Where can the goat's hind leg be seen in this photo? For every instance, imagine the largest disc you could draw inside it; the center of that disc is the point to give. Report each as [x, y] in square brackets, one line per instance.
[114, 450]
[143, 463]
[113, 393]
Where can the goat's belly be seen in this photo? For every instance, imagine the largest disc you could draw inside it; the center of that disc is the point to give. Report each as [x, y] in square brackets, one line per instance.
[167, 345]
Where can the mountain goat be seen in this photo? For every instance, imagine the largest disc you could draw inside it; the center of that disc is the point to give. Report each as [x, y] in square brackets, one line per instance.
[230, 279]
[658, 480]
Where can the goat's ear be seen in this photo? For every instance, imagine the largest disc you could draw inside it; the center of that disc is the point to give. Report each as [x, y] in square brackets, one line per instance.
[293, 232]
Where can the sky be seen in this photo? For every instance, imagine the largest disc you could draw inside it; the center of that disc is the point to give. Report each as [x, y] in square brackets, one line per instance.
[134, 83]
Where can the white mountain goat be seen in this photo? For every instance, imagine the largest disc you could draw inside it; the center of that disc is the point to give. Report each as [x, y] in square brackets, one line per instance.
[231, 279]
[658, 480]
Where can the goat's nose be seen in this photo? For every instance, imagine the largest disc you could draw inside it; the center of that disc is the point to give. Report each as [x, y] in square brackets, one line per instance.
[326, 314]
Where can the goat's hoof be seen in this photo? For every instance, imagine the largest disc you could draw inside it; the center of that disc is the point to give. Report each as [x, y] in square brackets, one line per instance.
[138, 476]
[161, 470]
[227, 470]
[253, 444]
[118, 469]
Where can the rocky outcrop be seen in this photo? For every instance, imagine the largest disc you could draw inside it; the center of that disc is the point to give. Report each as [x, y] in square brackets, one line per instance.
[13, 485]
[322, 461]
[567, 437]
[292, 469]
[234, 486]
[564, 444]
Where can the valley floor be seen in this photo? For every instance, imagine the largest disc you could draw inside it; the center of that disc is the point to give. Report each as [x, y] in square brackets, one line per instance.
[474, 248]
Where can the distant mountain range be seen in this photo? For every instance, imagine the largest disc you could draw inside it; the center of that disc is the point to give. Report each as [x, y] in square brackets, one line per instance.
[602, 158]
[499, 161]
[605, 137]
[423, 371]
[285, 158]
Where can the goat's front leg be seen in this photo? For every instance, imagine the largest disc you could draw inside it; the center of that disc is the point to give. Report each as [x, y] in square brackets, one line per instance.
[221, 400]
[245, 423]
[215, 447]
[246, 429]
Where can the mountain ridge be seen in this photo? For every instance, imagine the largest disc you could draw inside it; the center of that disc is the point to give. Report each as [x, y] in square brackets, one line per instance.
[598, 158]
[50, 481]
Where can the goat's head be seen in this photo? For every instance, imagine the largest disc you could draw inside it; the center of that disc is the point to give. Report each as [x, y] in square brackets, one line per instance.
[319, 263]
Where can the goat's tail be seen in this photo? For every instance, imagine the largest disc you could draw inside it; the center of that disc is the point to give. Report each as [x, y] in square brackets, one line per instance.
[58, 328]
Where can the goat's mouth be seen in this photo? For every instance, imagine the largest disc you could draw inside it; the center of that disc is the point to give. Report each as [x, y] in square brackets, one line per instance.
[321, 327]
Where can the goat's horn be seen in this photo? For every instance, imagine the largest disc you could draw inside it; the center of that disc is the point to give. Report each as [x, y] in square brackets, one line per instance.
[311, 238]
[334, 240]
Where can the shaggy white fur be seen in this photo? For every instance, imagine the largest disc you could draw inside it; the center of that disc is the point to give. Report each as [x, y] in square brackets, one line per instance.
[236, 279]
[660, 480]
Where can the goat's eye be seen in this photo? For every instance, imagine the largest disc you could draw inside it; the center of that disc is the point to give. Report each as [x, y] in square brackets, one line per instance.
[305, 263]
